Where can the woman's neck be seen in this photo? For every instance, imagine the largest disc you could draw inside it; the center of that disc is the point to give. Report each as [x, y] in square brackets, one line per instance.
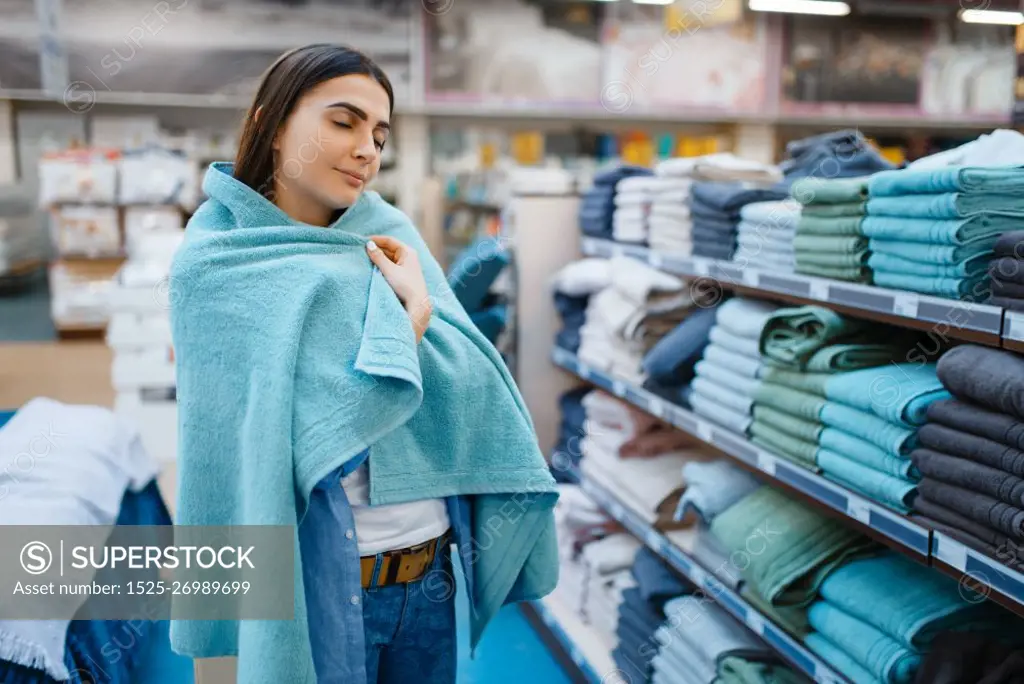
[303, 208]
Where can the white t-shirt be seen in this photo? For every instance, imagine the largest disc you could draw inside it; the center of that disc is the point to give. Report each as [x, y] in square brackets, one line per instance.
[396, 526]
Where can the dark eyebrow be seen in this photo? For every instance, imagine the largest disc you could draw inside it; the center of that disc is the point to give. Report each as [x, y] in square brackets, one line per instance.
[359, 112]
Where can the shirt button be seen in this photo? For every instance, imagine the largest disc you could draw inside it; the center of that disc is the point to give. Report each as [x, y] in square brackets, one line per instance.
[349, 534]
[355, 600]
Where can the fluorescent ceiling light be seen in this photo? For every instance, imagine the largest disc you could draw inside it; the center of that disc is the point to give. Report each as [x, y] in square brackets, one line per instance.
[825, 7]
[977, 16]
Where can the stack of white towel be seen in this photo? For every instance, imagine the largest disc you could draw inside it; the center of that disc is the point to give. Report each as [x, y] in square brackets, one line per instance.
[626, 318]
[727, 375]
[765, 235]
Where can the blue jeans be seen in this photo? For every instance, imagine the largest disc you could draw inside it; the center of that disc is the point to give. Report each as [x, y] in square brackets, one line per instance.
[410, 628]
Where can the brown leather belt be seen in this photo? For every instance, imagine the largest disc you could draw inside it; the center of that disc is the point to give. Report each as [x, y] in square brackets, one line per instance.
[402, 565]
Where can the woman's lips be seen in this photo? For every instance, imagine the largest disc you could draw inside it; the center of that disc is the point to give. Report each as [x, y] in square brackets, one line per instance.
[353, 179]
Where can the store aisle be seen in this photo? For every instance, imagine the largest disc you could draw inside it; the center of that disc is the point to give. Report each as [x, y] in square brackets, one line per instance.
[511, 651]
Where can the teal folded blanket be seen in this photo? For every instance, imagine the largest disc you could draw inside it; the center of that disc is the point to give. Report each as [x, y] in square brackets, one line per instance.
[799, 451]
[829, 243]
[293, 355]
[937, 231]
[907, 601]
[936, 254]
[866, 453]
[846, 209]
[887, 660]
[794, 402]
[894, 492]
[839, 659]
[794, 426]
[975, 288]
[811, 383]
[974, 266]
[793, 619]
[896, 392]
[946, 206]
[817, 339]
[800, 546]
[890, 438]
[831, 259]
[814, 190]
[836, 226]
[853, 274]
[972, 179]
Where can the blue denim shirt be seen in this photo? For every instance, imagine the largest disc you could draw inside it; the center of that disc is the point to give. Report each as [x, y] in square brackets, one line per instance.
[332, 578]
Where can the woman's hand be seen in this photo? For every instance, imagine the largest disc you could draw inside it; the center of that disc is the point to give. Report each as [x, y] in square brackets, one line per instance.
[400, 266]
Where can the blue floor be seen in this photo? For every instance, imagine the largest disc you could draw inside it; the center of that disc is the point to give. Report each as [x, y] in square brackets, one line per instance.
[511, 652]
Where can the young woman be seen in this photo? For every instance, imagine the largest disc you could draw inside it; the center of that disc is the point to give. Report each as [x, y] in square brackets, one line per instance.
[311, 143]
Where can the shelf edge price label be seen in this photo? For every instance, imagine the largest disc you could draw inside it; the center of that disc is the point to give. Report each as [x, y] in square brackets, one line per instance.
[858, 510]
[701, 266]
[755, 622]
[750, 277]
[703, 431]
[583, 370]
[766, 463]
[905, 304]
[657, 407]
[618, 387]
[655, 260]
[819, 290]
[654, 540]
[953, 553]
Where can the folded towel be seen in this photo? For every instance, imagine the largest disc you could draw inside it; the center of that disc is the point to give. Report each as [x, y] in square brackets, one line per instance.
[710, 630]
[735, 670]
[890, 438]
[800, 451]
[745, 317]
[794, 426]
[964, 445]
[829, 243]
[854, 274]
[946, 206]
[867, 454]
[1010, 244]
[846, 226]
[793, 619]
[839, 659]
[958, 658]
[974, 179]
[737, 363]
[815, 190]
[992, 378]
[826, 259]
[794, 402]
[895, 492]
[974, 420]
[713, 250]
[974, 288]
[936, 513]
[970, 475]
[671, 359]
[776, 214]
[713, 487]
[937, 231]
[723, 337]
[720, 414]
[730, 197]
[811, 383]
[1007, 290]
[844, 210]
[727, 378]
[986, 510]
[903, 599]
[301, 286]
[792, 336]
[848, 357]
[932, 253]
[975, 266]
[611, 177]
[655, 581]
[897, 392]
[878, 653]
[726, 396]
[801, 546]
[1008, 303]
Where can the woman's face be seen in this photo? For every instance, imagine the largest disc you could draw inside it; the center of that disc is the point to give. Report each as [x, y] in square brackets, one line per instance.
[329, 149]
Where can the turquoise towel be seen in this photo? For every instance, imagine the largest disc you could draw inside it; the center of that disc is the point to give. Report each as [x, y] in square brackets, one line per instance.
[937, 231]
[818, 190]
[897, 392]
[839, 659]
[791, 547]
[987, 179]
[294, 355]
[907, 601]
[884, 658]
[850, 244]
[894, 492]
[946, 206]
[866, 453]
[975, 288]
[890, 438]
[970, 267]
[936, 254]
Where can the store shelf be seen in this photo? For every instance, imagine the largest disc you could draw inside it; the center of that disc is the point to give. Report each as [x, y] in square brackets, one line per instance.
[786, 646]
[560, 628]
[979, 574]
[951, 318]
[872, 517]
[1013, 330]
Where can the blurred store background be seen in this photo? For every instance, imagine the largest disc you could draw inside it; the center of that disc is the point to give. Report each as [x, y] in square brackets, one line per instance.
[110, 111]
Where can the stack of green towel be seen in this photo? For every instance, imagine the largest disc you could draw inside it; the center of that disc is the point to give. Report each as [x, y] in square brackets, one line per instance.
[933, 230]
[829, 239]
[834, 401]
[802, 348]
[783, 550]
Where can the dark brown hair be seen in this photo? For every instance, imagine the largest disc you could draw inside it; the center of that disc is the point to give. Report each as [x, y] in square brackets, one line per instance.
[294, 74]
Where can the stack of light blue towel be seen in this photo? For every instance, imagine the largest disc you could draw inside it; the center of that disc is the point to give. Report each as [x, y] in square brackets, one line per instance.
[933, 230]
[877, 617]
[764, 236]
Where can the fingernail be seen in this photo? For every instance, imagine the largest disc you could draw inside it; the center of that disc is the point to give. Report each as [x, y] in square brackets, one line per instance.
[371, 246]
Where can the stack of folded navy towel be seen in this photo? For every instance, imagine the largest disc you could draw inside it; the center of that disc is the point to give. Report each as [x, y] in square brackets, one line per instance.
[598, 206]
